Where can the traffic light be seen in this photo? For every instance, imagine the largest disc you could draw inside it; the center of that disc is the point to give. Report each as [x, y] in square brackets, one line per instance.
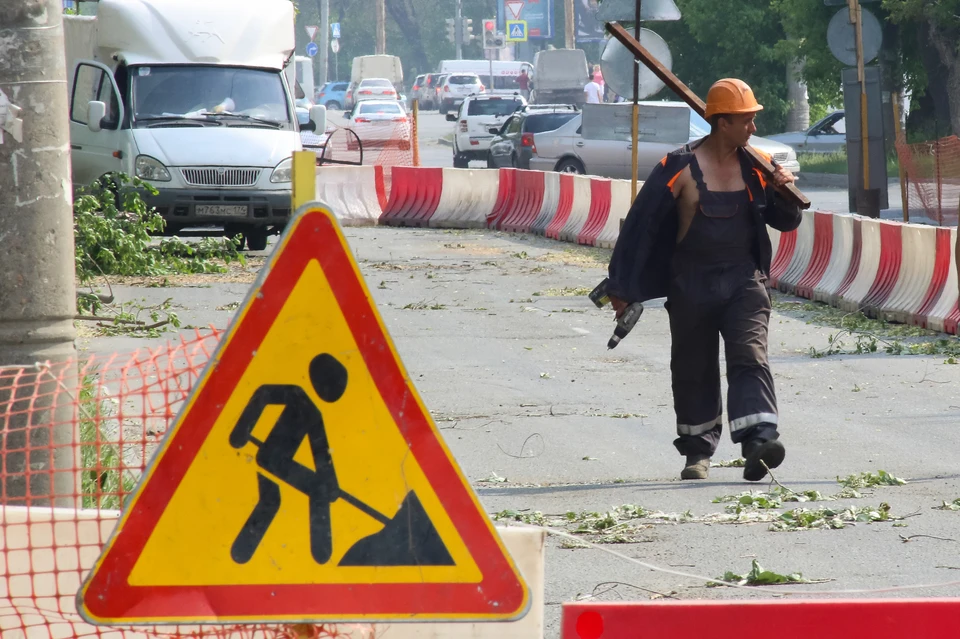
[467, 30]
[451, 33]
[491, 39]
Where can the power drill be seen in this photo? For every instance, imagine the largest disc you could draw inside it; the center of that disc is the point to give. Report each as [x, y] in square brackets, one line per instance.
[625, 322]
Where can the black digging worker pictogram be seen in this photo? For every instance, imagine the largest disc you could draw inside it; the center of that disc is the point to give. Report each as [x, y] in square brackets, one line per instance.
[407, 539]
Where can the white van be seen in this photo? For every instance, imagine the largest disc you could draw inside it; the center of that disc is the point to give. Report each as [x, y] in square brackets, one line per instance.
[191, 97]
[505, 73]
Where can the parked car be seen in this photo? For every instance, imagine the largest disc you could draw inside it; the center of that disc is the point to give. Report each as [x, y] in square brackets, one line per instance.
[829, 135]
[333, 95]
[513, 145]
[456, 87]
[474, 118]
[565, 150]
[380, 123]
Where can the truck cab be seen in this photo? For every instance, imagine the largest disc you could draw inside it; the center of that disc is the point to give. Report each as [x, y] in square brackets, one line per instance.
[193, 99]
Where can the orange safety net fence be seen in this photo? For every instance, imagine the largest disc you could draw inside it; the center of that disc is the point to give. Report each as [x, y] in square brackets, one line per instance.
[932, 178]
[76, 437]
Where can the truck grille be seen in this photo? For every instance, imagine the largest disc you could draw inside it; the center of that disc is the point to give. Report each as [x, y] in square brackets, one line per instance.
[781, 157]
[221, 176]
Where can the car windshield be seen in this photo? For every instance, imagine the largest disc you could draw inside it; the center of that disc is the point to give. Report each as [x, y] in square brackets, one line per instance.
[188, 91]
[493, 107]
[390, 109]
[464, 79]
[375, 83]
[546, 122]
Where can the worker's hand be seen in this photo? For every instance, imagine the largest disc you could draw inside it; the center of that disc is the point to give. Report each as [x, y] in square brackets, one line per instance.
[782, 177]
[619, 306]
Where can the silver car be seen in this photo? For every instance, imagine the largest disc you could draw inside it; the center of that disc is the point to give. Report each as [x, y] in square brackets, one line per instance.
[829, 135]
[456, 88]
[565, 150]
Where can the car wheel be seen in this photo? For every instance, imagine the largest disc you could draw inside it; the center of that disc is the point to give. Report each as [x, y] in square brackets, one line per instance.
[443, 108]
[490, 163]
[332, 104]
[256, 239]
[460, 162]
[571, 165]
[513, 161]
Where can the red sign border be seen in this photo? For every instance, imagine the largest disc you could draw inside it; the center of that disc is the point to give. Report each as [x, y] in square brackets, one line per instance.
[106, 596]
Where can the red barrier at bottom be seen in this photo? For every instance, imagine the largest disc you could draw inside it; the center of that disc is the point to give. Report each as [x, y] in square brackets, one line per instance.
[823, 619]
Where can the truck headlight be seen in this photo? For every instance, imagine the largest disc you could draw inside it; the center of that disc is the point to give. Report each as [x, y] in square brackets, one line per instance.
[151, 170]
[283, 173]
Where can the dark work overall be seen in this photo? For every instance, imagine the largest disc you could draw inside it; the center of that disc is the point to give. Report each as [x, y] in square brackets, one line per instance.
[716, 289]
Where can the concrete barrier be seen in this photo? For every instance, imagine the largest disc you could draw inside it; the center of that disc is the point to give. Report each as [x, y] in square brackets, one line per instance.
[820, 257]
[888, 267]
[841, 256]
[919, 251]
[564, 208]
[945, 315]
[850, 296]
[620, 203]
[600, 200]
[800, 259]
[414, 195]
[582, 197]
[943, 266]
[351, 192]
[506, 192]
[467, 198]
[550, 204]
[526, 203]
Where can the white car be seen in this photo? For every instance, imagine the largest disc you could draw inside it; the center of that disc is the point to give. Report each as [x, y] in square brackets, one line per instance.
[829, 135]
[474, 119]
[374, 89]
[458, 86]
[380, 123]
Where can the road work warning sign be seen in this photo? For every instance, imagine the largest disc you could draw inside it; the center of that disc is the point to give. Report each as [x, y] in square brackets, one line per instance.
[304, 480]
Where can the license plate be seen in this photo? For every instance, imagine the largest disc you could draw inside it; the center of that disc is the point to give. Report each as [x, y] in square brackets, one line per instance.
[220, 210]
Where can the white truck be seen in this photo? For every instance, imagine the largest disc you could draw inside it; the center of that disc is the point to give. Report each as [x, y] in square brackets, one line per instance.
[193, 98]
[560, 76]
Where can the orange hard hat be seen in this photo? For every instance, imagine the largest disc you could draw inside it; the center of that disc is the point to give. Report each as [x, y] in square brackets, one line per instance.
[732, 96]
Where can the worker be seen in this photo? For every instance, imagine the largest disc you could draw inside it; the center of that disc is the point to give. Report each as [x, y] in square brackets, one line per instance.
[696, 234]
[523, 81]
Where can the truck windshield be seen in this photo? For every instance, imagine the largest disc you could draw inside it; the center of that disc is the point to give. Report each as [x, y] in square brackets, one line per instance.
[193, 91]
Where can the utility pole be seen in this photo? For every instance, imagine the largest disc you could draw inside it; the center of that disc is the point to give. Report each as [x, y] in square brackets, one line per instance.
[381, 27]
[324, 42]
[569, 25]
[458, 30]
[37, 262]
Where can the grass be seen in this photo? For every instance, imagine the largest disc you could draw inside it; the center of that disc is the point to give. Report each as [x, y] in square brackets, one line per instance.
[836, 163]
[104, 482]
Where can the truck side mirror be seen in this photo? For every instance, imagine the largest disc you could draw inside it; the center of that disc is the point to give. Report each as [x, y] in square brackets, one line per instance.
[494, 130]
[96, 111]
[451, 117]
[318, 118]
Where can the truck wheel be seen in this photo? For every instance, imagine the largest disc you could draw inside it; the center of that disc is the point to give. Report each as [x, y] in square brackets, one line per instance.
[571, 165]
[256, 239]
[460, 161]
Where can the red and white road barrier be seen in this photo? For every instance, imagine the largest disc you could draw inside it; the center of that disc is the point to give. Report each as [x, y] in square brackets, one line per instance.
[414, 196]
[620, 203]
[579, 211]
[526, 203]
[351, 192]
[599, 212]
[467, 198]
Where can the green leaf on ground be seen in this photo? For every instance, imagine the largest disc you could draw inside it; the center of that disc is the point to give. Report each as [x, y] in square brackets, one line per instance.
[760, 577]
[868, 480]
[949, 505]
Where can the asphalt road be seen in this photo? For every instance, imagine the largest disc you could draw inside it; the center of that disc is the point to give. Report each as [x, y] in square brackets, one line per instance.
[510, 357]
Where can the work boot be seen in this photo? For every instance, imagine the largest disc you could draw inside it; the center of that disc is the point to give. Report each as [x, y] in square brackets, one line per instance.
[697, 467]
[770, 452]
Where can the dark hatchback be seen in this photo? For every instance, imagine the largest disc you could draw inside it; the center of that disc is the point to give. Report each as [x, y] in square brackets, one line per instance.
[515, 142]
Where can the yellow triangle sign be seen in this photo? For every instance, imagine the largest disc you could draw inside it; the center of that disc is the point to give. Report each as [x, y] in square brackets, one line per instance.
[304, 479]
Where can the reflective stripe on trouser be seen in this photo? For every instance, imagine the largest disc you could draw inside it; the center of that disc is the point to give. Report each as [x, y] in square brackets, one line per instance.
[706, 302]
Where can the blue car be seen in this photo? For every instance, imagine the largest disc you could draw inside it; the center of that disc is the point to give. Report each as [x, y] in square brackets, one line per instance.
[333, 95]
